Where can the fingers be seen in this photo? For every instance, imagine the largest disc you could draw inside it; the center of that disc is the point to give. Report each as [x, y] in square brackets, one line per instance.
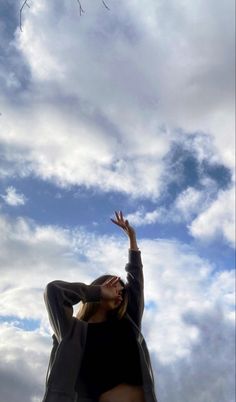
[119, 218]
[114, 280]
[111, 281]
[106, 282]
[124, 224]
[115, 222]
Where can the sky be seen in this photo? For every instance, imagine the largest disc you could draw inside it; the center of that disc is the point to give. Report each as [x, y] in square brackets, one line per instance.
[130, 108]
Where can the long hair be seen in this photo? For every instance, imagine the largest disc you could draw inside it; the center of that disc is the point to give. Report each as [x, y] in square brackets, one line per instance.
[88, 309]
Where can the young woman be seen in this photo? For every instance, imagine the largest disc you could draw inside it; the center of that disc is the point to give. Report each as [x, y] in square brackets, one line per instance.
[100, 355]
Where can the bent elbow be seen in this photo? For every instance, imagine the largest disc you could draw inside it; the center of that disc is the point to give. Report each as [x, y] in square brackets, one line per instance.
[49, 290]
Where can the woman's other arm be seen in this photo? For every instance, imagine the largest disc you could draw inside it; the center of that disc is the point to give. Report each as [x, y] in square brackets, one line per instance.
[60, 296]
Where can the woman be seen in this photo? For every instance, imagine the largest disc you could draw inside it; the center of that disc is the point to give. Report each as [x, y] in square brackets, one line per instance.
[100, 355]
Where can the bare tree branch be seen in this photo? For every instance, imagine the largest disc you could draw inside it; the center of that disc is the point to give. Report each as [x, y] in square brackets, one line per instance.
[21, 9]
[80, 7]
[81, 10]
[105, 5]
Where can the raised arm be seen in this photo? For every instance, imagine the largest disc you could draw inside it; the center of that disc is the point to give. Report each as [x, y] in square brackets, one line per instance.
[135, 286]
[60, 296]
[134, 269]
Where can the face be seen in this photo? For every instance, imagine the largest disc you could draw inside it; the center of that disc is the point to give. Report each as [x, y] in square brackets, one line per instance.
[115, 303]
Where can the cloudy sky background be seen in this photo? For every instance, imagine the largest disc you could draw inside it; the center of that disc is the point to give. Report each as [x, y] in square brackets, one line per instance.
[130, 108]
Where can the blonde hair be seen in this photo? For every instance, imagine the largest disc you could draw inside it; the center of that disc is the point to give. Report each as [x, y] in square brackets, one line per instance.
[88, 309]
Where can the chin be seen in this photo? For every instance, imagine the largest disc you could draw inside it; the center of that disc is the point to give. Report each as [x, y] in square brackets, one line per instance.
[117, 306]
[113, 306]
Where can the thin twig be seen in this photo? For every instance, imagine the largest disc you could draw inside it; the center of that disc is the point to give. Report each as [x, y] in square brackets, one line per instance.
[105, 5]
[80, 8]
[21, 9]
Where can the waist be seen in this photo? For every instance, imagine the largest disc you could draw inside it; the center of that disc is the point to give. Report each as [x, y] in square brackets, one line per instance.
[123, 392]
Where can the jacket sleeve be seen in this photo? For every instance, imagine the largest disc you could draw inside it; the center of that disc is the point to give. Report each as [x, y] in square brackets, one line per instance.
[135, 286]
[59, 297]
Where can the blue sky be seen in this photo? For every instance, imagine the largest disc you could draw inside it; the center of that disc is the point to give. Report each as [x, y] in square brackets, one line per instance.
[127, 109]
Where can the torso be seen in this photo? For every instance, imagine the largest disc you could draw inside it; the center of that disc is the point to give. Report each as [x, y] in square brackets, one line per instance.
[123, 392]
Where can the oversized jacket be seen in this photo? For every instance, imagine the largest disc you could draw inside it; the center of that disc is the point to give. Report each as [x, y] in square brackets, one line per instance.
[69, 338]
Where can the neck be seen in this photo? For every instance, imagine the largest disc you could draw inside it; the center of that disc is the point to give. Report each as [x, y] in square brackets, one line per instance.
[99, 316]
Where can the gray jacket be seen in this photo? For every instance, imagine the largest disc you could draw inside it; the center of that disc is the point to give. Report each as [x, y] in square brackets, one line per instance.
[69, 336]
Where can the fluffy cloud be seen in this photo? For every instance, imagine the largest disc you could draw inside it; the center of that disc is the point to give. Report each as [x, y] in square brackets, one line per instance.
[189, 201]
[218, 219]
[182, 292]
[201, 377]
[167, 65]
[68, 147]
[23, 358]
[107, 101]
[142, 217]
[117, 78]
[13, 198]
[187, 204]
[209, 213]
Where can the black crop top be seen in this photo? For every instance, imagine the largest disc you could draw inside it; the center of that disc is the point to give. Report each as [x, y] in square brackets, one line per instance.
[110, 358]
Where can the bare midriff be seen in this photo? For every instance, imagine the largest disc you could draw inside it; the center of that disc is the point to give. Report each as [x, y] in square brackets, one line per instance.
[123, 392]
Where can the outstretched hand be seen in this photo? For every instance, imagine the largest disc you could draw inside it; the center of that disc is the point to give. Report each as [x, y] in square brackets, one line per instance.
[123, 224]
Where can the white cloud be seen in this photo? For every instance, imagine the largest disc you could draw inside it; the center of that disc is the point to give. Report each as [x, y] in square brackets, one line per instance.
[83, 151]
[188, 201]
[23, 358]
[13, 198]
[204, 365]
[218, 219]
[144, 68]
[142, 217]
[191, 202]
[207, 216]
[99, 101]
[178, 282]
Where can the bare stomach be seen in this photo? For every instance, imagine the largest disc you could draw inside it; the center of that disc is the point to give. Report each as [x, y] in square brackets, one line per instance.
[123, 392]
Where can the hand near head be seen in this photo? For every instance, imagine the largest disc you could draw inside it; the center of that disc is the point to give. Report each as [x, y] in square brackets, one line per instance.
[109, 288]
[123, 224]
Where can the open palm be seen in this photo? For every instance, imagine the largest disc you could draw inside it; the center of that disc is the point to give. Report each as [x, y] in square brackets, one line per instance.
[123, 224]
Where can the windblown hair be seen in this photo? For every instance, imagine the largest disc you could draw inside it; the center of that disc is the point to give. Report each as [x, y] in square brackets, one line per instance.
[88, 309]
